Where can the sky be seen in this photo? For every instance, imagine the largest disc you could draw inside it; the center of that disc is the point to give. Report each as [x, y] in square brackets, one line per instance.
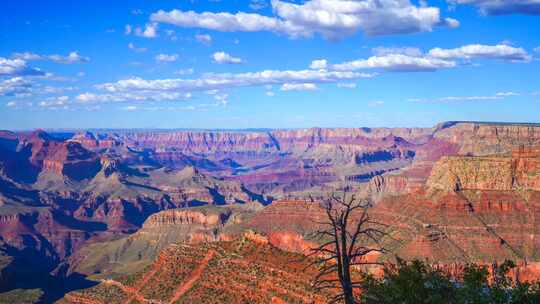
[239, 64]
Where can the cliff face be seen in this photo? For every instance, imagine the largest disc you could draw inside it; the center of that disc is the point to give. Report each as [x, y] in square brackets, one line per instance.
[456, 140]
[187, 225]
[472, 208]
[518, 171]
[485, 138]
[286, 140]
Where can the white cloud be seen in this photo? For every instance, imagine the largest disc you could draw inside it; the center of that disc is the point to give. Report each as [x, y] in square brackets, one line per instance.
[507, 94]
[150, 31]
[474, 98]
[166, 57]
[128, 29]
[132, 108]
[55, 102]
[11, 104]
[16, 86]
[136, 96]
[469, 98]
[71, 58]
[132, 47]
[409, 51]
[204, 38]
[503, 7]
[56, 90]
[270, 94]
[500, 51]
[137, 12]
[347, 85]
[222, 99]
[412, 59]
[537, 49]
[222, 57]
[227, 80]
[17, 67]
[318, 64]
[330, 18]
[395, 62]
[298, 87]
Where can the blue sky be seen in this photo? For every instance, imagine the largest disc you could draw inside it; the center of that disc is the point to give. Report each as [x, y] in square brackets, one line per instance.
[267, 64]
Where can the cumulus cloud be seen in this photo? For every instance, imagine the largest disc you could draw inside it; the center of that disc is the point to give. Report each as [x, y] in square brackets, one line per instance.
[16, 86]
[318, 64]
[222, 57]
[128, 29]
[204, 38]
[149, 31]
[395, 62]
[471, 51]
[17, 67]
[409, 59]
[166, 57]
[11, 104]
[503, 7]
[71, 58]
[330, 18]
[298, 87]
[537, 49]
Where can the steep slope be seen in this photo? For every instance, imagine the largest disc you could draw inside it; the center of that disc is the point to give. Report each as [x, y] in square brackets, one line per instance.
[189, 225]
[472, 208]
[254, 272]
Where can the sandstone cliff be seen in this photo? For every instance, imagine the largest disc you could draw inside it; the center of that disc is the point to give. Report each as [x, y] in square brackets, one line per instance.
[518, 171]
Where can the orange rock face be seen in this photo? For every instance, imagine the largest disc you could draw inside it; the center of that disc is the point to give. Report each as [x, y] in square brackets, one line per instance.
[253, 272]
[520, 171]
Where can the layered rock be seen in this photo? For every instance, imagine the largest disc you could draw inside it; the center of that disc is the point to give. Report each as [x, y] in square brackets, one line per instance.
[190, 225]
[519, 171]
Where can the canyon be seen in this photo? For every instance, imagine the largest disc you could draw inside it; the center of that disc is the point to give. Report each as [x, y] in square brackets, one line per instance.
[81, 208]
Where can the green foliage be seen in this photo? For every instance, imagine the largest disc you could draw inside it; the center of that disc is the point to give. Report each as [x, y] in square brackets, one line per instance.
[417, 282]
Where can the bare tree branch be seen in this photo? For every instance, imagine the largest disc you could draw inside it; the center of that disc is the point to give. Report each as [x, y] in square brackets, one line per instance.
[350, 238]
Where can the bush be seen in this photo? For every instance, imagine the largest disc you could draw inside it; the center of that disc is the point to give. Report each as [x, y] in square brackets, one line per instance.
[417, 282]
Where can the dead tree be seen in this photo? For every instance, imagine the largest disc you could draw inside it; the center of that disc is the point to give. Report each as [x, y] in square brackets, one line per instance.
[347, 236]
